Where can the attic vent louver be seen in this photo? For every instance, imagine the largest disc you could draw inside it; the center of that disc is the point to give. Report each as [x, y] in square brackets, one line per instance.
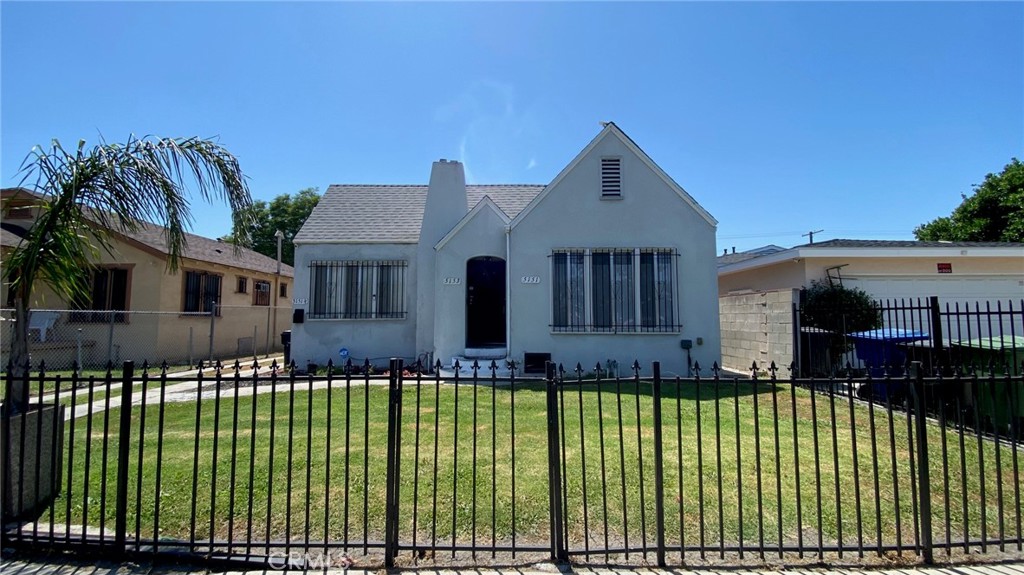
[611, 177]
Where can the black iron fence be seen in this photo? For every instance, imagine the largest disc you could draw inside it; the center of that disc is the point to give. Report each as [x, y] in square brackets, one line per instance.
[888, 335]
[401, 467]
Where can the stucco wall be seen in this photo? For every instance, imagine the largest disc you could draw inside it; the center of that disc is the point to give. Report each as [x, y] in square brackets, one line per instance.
[801, 272]
[239, 321]
[965, 264]
[318, 340]
[757, 327]
[650, 214]
[155, 330]
[786, 274]
[483, 235]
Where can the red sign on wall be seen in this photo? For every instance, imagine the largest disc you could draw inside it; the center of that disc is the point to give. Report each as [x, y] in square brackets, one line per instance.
[945, 268]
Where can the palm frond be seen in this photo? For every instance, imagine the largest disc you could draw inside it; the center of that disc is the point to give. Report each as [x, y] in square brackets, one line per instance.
[113, 186]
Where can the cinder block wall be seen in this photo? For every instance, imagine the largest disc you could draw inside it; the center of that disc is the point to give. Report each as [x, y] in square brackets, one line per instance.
[757, 326]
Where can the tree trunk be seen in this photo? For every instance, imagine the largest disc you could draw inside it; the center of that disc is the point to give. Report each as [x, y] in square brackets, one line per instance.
[17, 392]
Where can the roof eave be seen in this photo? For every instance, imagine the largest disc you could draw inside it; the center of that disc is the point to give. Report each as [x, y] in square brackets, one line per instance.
[807, 252]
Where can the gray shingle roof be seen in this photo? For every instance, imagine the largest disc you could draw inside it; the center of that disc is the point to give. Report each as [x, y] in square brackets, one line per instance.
[842, 243]
[392, 214]
[9, 236]
[212, 251]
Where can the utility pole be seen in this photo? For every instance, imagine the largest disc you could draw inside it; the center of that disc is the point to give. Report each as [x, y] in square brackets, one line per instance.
[811, 235]
[279, 235]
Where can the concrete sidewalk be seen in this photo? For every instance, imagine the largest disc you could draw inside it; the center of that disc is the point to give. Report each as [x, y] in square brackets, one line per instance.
[24, 563]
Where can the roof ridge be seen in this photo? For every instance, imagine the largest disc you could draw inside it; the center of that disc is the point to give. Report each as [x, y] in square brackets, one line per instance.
[426, 185]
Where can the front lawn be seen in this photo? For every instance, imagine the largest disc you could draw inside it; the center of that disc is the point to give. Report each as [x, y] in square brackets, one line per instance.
[304, 481]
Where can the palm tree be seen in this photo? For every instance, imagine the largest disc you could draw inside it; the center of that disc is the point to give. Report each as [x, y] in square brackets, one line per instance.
[110, 187]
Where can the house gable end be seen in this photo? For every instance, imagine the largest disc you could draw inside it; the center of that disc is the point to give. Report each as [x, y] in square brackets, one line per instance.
[612, 130]
[485, 203]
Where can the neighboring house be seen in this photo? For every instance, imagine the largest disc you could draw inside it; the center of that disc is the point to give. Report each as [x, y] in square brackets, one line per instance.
[245, 285]
[759, 290]
[953, 271]
[609, 263]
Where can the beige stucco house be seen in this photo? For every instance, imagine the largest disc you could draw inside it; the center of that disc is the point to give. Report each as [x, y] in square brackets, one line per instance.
[953, 271]
[163, 315]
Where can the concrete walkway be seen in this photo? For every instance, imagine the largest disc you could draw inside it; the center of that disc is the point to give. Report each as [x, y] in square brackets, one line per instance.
[183, 387]
[58, 564]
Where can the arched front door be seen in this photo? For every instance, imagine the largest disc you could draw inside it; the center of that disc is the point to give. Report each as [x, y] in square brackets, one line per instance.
[485, 302]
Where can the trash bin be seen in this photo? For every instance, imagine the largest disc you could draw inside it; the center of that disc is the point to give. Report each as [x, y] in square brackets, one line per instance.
[286, 341]
[881, 349]
[884, 352]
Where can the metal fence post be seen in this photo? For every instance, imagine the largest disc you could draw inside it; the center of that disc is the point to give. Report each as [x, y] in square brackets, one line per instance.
[266, 348]
[659, 471]
[936, 330]
[213, 317]
[394, 461]
[110, 339]
[123, 452]
[924, 483]
[797, 341]
[558, 550]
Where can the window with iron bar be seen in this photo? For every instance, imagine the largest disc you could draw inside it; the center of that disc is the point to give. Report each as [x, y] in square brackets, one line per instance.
[201, 293]
[351, 289]
[614, 290]
[261, 292]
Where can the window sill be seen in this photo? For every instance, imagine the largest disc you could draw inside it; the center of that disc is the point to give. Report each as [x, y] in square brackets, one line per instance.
[313, 319]
[674, 332]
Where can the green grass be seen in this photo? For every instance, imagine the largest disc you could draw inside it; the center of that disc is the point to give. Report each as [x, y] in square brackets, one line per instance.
[66, 380]
[336, 499]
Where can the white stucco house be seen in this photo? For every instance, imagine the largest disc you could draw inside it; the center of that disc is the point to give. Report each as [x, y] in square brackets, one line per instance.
[609, 263]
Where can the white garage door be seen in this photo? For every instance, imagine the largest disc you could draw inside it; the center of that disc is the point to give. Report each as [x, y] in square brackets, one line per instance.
[949, 289]
[971, 307]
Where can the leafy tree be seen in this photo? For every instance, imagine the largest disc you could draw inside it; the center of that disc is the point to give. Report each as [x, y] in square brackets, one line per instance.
[89, 192]
[994, 213]
[838, 311]
[286, 213]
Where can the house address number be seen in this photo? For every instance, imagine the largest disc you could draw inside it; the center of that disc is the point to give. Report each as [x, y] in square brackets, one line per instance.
[300, 301]
[452, 281]
[530, 279]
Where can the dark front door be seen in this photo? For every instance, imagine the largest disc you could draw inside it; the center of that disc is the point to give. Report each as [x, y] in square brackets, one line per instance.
[485, 302]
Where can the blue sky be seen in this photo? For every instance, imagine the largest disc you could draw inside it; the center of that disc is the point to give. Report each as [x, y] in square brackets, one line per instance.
[862, 119]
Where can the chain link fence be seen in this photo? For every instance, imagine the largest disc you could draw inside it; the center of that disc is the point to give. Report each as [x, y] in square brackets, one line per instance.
[91, 339]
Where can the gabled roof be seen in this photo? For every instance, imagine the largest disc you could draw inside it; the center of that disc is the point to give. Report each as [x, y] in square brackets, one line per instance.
[610, 129]
[485, 203]
[843, 248]
[392, 214]
[150, 237]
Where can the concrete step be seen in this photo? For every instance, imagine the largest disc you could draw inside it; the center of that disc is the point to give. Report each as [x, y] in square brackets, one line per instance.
[466, 367]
